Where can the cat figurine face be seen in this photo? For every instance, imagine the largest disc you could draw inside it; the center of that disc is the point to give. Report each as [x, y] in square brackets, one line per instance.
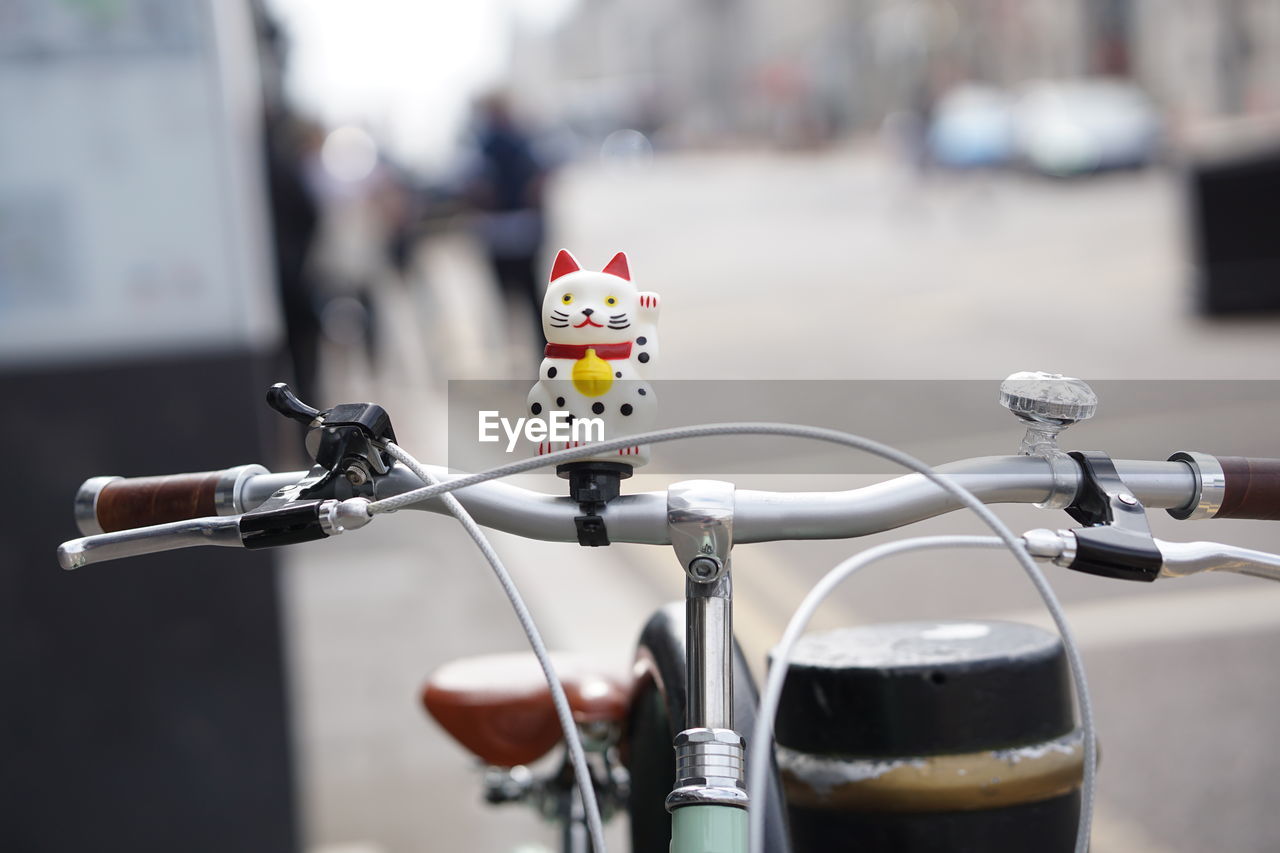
[587, 307]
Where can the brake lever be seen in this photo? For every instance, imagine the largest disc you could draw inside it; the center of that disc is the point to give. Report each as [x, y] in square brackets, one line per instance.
[222, 530]
[286, 524]
[1190, 558]
[1116, 541]
[347, 440]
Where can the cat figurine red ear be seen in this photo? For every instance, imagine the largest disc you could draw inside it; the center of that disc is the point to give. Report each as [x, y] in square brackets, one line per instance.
[565, 264]
[602, 339]
[618, 267]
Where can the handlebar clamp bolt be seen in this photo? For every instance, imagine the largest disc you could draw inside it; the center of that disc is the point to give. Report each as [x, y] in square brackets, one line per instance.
[705, 569]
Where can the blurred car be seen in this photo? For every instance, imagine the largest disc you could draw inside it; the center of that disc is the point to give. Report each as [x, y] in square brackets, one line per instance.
[1082, 126]
[972, 127]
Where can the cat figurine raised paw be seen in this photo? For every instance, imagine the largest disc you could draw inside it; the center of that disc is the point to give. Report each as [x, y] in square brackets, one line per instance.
[601, 340]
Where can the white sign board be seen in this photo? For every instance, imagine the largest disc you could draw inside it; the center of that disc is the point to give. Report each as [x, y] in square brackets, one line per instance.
[132, 201]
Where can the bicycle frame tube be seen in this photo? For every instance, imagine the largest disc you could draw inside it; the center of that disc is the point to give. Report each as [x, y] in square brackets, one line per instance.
[709, 829]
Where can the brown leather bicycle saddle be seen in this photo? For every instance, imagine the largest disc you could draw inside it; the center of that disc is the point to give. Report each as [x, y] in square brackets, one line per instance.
[499, 706]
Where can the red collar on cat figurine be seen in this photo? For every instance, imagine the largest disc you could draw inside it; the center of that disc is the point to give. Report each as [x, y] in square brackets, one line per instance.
[576, 351]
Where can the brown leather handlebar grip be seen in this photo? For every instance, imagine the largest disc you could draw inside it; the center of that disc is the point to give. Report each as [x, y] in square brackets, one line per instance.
[142, 501]
[1252, 488]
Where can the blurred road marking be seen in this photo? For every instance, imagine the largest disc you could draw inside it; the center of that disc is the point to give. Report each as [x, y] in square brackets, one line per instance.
[763, 603]
[583, 599]
[1168, 616]
[755, 627]
[1113, 833]
[768, 582]
[1160, 615]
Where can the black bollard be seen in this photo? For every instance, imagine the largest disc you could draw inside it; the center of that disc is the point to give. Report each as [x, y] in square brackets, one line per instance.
[930, 737]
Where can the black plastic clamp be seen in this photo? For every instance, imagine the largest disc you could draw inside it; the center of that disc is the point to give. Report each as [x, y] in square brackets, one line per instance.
[294, 522]
[593, 485]
[1116, 541]
[347, 438]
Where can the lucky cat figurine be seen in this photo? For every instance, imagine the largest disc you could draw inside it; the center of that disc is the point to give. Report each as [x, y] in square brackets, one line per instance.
[601, 339]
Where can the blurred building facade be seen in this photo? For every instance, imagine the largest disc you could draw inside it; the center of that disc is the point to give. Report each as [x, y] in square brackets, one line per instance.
[722, 70]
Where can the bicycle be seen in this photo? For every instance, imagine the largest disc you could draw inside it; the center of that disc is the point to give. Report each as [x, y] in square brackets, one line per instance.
[689, 676]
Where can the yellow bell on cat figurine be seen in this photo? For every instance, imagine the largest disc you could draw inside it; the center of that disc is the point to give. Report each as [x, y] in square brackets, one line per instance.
[592, 375]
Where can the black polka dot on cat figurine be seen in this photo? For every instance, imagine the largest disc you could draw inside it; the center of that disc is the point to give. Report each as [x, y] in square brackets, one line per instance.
[551, 373]
[598, 408]
[618, 374]
[626, 409]
[642, 340]
[559, 402]
[643, 357]
[643, 392]
[536, 408]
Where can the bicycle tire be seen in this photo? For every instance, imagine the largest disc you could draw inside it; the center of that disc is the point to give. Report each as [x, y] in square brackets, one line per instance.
[656, 716]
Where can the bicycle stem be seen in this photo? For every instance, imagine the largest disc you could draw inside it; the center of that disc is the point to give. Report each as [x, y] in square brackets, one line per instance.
[709, 641]
[710, 755]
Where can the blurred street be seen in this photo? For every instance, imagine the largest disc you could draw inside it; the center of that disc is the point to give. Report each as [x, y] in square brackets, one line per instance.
[836, 265]
[859, 215]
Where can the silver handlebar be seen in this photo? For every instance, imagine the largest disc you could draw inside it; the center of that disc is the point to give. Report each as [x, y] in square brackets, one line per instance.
[759, 516]
[762, 516]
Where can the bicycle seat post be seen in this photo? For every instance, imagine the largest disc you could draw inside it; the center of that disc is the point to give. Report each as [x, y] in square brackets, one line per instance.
[710, 755]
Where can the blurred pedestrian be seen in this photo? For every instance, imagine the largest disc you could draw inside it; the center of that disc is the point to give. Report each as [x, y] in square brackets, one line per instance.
[294, 216]
[505, 186]
[359, 211]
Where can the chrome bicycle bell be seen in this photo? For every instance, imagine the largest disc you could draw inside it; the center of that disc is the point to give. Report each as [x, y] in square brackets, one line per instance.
[1047, 403]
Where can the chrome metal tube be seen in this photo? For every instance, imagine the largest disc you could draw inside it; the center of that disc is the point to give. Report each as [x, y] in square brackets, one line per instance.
[86, 504]
[1189, 558]
[761, 516]
[1211, 485]
[217, 530]
[769, 516]
[710, 770]
[709, 653]
[643, 518]
[502, 506]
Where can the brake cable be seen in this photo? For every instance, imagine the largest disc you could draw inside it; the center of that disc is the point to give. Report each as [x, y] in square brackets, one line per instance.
[572, 739]
[966, 497]
[771, 695]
